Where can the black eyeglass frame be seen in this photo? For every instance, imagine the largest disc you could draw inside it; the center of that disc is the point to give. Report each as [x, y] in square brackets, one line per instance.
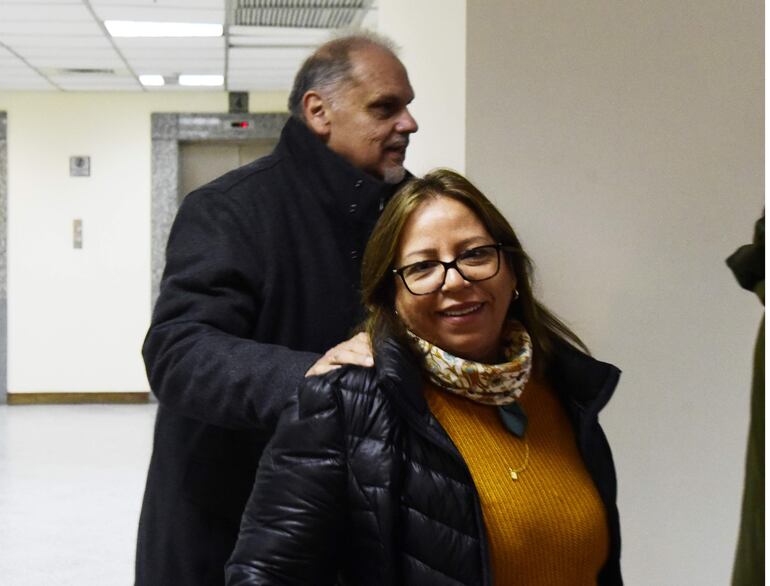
[453, 265]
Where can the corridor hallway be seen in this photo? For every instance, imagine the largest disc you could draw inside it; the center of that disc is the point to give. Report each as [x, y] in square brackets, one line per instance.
[71, 484]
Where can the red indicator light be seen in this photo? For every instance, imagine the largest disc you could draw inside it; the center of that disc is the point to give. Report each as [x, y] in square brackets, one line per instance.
[239, 124]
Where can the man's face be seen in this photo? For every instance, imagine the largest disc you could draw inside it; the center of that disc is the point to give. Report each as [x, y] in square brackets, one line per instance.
[368, 120]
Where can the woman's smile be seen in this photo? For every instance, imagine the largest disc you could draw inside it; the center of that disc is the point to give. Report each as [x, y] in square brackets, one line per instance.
[461, 310]
[465, 318]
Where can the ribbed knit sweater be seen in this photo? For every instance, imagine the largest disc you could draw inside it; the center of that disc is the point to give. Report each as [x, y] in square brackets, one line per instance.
[549, 526]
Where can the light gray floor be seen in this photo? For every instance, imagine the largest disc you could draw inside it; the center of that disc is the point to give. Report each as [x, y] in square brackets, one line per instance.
[71, 482]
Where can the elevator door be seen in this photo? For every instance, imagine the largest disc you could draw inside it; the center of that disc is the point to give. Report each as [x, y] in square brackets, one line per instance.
[203, 161]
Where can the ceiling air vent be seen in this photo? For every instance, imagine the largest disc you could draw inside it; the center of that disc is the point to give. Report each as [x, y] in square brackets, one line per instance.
[299, 13]
[84, 71]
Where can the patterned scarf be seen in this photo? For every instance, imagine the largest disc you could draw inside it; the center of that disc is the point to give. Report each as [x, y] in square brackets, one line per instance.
[491, 384]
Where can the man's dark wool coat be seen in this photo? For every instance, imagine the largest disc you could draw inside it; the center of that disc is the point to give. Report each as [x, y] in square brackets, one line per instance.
[262, 273]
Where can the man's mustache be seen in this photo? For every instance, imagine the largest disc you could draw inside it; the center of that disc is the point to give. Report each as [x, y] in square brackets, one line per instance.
[398, 143]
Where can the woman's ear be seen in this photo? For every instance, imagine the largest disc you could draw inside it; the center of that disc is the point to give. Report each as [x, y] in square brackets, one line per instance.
[316, 111]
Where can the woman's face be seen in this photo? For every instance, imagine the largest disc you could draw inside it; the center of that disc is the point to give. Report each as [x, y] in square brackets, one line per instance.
[464, 318]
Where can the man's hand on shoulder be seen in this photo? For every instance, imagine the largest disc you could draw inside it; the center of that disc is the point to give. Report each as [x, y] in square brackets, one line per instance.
[356, 350]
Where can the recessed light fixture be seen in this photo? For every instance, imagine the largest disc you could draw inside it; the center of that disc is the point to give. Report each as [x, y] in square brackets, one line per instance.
[201, 80]
[133, 28]
[152, 80]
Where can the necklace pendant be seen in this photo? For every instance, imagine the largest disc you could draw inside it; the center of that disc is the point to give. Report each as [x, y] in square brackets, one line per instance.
[514, 474]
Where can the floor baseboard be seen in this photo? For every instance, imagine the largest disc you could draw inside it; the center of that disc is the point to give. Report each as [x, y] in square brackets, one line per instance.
[76, 398]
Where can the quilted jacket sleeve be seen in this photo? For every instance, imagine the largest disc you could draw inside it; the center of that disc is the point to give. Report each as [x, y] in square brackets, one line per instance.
[201, 358]
[293, 528]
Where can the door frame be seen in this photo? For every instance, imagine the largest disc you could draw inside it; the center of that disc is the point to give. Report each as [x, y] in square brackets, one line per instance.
[168, 130]
[3, 257]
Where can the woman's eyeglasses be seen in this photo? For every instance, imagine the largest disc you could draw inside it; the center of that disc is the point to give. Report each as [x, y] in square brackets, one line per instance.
[475, 264]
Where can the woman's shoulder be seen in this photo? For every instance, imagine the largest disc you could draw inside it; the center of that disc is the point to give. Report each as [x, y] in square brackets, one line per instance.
[353, 401]
[581, 376]
[336, 387]
[393, 381]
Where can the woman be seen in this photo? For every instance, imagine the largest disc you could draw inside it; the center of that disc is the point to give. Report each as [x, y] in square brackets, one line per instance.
[470, 454]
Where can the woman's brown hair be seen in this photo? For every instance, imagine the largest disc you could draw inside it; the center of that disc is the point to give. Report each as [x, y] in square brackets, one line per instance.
[378, 280]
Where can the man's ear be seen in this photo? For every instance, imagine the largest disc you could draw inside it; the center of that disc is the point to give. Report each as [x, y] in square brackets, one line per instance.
[316, 111]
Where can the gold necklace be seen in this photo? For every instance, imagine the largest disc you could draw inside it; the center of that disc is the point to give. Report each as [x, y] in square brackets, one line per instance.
[515, 473]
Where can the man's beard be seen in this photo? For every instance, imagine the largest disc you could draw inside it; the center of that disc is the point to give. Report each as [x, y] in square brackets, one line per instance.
[394, 175]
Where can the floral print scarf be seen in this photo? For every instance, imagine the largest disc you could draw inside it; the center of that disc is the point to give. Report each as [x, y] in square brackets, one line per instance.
[490, 384]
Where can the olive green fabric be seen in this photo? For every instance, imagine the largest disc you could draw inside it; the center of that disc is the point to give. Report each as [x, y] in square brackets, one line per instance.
[749, 568]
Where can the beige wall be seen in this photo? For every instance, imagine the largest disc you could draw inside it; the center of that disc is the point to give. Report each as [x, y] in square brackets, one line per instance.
[77, 318]
[624, 140]
[431, 35]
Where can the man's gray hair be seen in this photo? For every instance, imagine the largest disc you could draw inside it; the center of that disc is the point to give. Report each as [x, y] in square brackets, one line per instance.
[330, 66]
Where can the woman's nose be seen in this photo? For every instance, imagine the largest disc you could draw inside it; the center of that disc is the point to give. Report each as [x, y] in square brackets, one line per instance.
[454, 280]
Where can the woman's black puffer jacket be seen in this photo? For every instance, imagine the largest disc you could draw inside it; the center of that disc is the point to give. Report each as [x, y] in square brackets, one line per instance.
[360, 485]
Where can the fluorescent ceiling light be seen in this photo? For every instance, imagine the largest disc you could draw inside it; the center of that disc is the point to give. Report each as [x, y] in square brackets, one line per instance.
[201, 80]
[152, 80]
[132, 28]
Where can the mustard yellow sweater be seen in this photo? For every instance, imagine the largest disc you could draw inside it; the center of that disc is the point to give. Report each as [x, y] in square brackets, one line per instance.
[548, 527]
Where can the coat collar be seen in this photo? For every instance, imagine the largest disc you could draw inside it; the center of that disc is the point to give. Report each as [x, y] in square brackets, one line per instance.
[335, 180]
[581, 380]
[398, 371]
[585, 381]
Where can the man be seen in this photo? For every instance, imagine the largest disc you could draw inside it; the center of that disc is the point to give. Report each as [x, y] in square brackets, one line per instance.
[262, 272]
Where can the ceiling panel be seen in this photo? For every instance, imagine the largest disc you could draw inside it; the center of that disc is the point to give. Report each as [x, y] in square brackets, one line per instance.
[246, 74]
[43, 28]
[181, 14]
[183, 65]
[59, 62]
[22, 84]
[41, 38]
[10, 71]
[218, 4]
[82, 82]
[163, 44]
[17, 69]
[24, 11]
[95, 52]
[5, 54]
[146, 53]
[16, 76]
[189, 59]
[8, 63]
[53, 42]
[258, 55]
[181, 88]
[38, 3]
[174, 69]
[259, 84]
